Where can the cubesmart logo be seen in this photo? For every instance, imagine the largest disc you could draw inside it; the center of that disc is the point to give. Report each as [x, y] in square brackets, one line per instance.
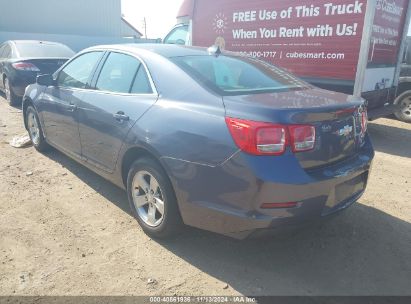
[220, 23]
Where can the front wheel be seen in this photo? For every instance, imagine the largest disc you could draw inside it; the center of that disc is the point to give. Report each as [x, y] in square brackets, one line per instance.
[404, 101]
[34, 130]
[152, 199]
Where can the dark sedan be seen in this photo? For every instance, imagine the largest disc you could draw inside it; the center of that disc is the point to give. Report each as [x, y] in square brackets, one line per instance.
[22, 60]
[217, 141]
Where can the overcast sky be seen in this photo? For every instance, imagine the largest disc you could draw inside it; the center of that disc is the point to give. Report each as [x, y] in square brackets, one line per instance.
[160, 15]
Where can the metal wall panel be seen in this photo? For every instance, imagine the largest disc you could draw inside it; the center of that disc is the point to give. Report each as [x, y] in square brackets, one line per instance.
[67, 17]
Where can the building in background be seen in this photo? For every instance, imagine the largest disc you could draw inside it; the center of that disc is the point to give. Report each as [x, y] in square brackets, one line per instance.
[76, 23]
[128, 30]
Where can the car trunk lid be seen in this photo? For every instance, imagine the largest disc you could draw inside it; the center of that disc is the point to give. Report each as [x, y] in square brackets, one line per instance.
[45, 65]
[335, 116]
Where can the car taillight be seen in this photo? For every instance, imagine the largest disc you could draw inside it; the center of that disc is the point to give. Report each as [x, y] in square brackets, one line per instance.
[258, 138]
[302, 137]
[261, 138]
[25, 66]
[271, 139]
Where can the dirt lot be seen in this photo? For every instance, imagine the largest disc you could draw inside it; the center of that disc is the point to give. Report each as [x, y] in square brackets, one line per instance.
[66, 231]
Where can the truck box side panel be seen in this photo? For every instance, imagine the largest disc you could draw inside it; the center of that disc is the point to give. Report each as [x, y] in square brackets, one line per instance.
[319, 41]
[386, 38]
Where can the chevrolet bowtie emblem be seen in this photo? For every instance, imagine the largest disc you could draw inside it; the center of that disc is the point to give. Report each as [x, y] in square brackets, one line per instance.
[344, 131]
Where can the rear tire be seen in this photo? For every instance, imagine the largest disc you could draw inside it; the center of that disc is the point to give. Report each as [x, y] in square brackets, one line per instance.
[35, 131]
[10, 96]
[152, 199]
[404, 101]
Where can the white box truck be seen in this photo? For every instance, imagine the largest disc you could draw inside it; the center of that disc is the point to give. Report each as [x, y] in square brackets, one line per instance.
[350, 46]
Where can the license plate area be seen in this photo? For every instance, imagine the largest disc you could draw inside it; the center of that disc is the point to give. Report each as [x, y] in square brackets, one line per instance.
[345, 194]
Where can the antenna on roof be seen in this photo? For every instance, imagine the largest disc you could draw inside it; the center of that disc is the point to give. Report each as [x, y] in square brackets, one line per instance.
[214, 50]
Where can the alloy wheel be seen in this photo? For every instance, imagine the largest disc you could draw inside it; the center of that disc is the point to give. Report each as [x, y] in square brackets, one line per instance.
[148, 198]
[34, 129]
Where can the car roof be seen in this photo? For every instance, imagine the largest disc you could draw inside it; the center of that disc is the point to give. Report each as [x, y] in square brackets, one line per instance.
[17, 42]
[165, 50]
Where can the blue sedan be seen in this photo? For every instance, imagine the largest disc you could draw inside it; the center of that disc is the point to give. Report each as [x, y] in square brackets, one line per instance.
[213, 140]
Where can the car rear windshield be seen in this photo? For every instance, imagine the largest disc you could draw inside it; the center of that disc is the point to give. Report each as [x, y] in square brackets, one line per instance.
[44, 50]
[237, 75]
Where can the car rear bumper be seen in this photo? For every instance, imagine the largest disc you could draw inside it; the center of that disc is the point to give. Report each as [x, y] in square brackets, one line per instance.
[226, 199]
[20, 80]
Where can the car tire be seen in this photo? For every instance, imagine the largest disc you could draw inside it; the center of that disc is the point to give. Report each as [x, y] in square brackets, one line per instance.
[34, 129]
[10, 96]
[404, 101]
[152, 199]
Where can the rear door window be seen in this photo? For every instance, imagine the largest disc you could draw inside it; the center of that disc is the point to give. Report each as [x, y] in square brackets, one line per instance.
[77, 73]
[7, 53]
[118, 73]
[141, 83]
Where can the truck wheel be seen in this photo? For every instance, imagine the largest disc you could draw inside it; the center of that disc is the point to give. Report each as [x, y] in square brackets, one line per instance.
[152, 199]
[404, 101]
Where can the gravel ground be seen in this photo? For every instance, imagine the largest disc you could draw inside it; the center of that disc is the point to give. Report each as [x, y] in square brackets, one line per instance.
[66, 231]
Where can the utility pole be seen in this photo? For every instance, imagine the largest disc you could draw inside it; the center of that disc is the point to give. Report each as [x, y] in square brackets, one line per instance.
[145, 27]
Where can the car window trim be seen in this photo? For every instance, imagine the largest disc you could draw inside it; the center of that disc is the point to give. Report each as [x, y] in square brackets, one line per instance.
[134, 79]
[14, 50]
[57, 73]
[98, 68]
[142, 63]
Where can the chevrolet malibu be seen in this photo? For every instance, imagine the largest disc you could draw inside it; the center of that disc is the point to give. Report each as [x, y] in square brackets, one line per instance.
[212, 140]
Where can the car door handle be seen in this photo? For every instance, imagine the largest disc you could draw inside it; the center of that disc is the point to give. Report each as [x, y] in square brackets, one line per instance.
[72, 107]
[120, 116]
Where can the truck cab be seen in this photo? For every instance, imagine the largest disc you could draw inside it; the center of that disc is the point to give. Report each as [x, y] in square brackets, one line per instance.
[178, 35]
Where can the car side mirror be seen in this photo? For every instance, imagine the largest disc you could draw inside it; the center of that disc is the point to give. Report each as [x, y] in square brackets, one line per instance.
[45, 80]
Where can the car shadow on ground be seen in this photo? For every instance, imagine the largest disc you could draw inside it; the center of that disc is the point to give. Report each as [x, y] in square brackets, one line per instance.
[111, 192]
[390, 140]
[16, 106]
[363, 251]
